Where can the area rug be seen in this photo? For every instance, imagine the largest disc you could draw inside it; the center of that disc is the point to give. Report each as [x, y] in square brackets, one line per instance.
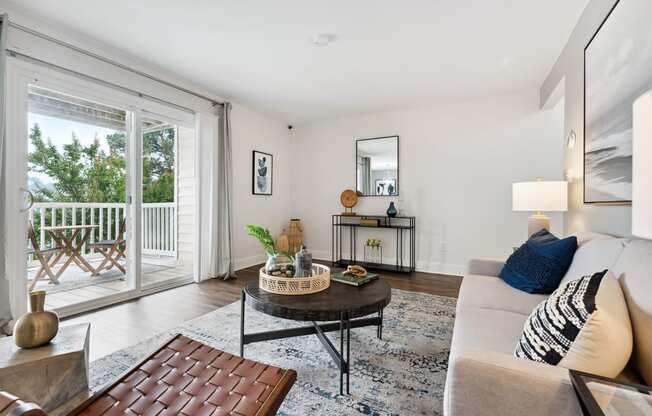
[402, 374]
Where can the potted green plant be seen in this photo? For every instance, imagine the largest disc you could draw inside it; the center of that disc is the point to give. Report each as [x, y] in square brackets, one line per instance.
[278, 262]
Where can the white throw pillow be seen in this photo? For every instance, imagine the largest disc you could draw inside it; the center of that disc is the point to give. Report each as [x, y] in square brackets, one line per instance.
[597, 254]
[583, 325]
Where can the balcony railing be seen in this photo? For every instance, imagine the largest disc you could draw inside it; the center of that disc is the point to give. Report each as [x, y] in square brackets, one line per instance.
[159, 223]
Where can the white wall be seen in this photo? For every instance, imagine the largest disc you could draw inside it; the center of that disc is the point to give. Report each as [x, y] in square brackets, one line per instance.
[569, 70]
[253, 131]
[457, 165]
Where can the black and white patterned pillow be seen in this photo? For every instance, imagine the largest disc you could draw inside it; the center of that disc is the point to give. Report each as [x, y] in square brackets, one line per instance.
[584, 325]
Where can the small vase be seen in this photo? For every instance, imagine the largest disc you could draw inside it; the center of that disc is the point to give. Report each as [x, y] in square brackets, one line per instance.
[272, 264]
[303, 263]
[38, 327]
[391, 211]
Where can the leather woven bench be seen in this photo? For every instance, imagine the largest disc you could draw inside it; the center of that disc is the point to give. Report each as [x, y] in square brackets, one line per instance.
[188, 378]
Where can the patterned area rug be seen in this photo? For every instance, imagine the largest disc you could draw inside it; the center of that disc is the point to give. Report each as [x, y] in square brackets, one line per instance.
[402, 374]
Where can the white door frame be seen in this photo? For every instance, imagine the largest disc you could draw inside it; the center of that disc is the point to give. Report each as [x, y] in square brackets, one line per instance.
[20, 75]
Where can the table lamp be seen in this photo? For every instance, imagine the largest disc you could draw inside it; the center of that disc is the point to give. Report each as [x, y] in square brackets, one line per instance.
[539, 196]
[642, 167]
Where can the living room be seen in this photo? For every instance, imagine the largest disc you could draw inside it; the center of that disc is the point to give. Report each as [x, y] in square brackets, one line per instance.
[298, 208]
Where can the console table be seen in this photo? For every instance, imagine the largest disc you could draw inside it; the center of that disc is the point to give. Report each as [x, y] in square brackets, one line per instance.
[404, 229]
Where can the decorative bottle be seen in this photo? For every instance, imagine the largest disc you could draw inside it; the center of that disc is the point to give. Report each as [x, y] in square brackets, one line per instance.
[303, 263]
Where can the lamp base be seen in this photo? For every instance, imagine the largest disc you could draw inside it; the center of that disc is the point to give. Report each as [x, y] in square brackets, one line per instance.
[536, 223]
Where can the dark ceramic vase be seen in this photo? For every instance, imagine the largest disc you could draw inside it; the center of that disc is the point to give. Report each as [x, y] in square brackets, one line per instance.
[391, 211]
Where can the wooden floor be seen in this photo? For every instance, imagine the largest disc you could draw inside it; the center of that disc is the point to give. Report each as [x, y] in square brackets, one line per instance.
[123, 325]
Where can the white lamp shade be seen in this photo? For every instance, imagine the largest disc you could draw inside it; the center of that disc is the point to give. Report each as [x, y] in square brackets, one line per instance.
[540, 196]
[642, 169]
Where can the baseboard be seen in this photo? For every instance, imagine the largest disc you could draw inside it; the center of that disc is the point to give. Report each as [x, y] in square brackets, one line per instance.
[245, 262]
[421, 266]
[441, 268]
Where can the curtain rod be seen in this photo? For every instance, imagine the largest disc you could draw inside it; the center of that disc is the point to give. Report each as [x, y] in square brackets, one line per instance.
[110, 62]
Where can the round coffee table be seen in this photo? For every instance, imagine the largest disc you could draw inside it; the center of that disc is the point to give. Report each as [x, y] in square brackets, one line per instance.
[349, 305]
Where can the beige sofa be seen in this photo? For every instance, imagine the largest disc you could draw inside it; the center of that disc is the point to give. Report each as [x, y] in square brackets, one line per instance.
[484, 377]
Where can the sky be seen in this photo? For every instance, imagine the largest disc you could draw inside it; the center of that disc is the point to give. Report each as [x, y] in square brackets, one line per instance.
[59, 131]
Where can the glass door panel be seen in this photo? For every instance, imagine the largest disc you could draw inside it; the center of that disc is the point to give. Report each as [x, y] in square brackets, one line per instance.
[168, 202]
[77, 174]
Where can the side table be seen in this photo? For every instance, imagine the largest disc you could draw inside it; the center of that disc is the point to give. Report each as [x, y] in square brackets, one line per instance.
[53, 375]
[600, 396]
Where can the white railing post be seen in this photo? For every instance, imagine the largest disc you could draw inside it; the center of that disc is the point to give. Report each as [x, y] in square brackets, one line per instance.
[42, 211]
[92, 223]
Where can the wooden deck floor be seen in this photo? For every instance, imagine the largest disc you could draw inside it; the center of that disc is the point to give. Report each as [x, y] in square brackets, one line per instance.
[78, 286]
[123, 325]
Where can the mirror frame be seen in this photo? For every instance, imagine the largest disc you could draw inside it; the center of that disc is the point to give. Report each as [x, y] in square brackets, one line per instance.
[398, 165]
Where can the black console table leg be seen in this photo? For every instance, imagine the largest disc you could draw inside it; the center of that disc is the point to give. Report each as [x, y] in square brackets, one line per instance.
[242, 323]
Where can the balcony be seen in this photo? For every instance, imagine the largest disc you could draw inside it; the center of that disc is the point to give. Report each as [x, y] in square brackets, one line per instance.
[159, 249]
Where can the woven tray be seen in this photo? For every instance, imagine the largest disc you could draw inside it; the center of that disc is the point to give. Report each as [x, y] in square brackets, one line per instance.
[320, 280]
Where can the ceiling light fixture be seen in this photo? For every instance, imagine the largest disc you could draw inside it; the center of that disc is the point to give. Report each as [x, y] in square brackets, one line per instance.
[323, 39]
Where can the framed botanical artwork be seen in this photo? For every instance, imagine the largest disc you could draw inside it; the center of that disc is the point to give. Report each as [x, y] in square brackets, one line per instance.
[617, 69]
[262, 173]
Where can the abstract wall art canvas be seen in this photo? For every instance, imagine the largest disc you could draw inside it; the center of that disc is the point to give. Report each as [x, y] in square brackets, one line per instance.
[617, 69]
[262, 174]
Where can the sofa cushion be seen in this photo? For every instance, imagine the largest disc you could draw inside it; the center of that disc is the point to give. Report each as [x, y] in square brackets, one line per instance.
[539, 265]
[583, 325]
[487, 330]
[490, 292]
[634, 271]
[596, 254]
[584, 237]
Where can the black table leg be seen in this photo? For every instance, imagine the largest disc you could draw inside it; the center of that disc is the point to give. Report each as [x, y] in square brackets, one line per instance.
[348, 351]
[380, 324]
[242, 323]
[341, 352]
[341, 357]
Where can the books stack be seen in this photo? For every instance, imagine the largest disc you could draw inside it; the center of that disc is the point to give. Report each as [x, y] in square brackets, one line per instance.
[352, 280]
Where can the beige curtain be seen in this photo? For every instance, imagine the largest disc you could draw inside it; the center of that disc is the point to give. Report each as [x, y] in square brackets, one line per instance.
[5, 298]
[217, 188]
[225, 194]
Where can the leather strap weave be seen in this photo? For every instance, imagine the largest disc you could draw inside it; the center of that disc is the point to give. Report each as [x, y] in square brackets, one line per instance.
[188, 378]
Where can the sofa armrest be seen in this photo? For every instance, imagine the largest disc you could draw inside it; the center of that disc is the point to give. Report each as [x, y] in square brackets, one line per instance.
[487, 383]
[485, 267]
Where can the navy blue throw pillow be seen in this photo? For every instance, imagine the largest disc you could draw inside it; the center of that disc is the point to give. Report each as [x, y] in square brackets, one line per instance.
[539, 265]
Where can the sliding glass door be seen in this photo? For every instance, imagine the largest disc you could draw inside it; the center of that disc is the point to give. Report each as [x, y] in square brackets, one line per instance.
[104, 196]
[77, 169]
[168, 195]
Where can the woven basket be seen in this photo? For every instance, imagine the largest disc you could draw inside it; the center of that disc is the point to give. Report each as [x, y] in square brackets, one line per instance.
[320, 280]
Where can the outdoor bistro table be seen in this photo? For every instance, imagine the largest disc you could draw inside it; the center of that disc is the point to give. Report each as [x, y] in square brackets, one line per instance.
[71, 246]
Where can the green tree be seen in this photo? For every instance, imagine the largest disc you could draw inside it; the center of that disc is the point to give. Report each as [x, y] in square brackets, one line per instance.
[89, 174]
[158, 165]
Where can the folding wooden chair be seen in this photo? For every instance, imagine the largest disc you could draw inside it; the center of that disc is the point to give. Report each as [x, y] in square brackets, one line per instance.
[48, 257]
[112, 250]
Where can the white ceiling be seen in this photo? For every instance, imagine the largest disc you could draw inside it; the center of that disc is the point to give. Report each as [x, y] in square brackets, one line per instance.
[388, 54]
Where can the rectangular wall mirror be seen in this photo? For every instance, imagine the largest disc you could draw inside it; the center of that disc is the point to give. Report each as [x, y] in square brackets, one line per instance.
[377, 166]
